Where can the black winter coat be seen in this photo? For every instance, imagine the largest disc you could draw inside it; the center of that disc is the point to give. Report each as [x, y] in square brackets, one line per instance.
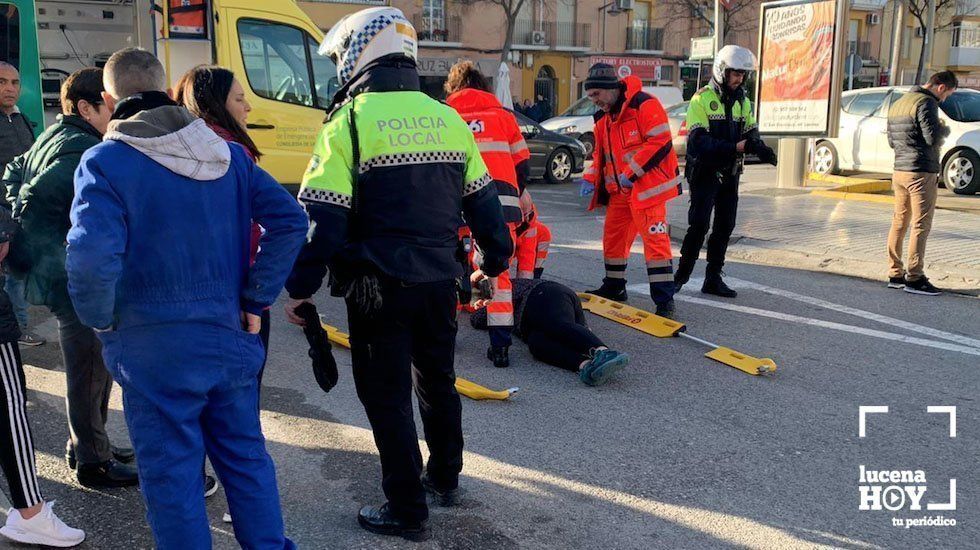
[915, 132]
[9, 329]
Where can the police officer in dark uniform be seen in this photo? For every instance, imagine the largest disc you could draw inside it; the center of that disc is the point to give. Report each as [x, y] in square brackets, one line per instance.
[391, 174]
[721, 129]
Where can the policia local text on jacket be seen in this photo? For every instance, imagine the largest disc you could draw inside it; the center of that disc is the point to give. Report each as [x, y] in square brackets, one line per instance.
[391, 173]
[718, 118]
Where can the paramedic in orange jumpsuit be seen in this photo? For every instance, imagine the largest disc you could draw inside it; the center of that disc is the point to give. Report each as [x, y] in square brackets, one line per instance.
[634, 173]
[505, 153]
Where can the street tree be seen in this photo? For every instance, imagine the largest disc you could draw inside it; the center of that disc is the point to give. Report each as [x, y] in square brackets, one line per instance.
[920, 11]
[512, 9]
[741, 16]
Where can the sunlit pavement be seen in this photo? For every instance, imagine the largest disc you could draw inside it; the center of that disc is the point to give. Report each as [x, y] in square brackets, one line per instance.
[677, 452]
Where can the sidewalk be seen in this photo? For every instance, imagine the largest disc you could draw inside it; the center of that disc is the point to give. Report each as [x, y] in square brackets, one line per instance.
[791, 228]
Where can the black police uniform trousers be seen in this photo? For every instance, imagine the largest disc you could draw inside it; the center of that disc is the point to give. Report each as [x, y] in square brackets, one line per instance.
[711, 191]
[410, 342]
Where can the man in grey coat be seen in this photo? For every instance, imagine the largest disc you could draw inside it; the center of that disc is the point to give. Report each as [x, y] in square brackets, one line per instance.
[916, 133]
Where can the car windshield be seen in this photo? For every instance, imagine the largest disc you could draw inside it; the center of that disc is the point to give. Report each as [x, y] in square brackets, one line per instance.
[582, 107]
[962, 106]
[678, 111]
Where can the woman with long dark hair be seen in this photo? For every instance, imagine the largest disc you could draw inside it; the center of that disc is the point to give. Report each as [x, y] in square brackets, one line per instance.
[216, 96]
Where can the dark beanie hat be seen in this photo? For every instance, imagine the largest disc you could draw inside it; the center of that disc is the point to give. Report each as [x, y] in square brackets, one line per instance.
[602, 75]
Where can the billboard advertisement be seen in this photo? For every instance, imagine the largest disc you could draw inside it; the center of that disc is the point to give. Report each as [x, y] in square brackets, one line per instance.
[797, 58]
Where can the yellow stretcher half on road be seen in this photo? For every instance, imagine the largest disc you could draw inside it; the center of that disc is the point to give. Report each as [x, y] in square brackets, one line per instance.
[463, 386]
[661, 327]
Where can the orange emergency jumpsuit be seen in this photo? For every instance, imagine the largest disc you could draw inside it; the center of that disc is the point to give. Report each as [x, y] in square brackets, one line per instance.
[505, 153]
[635, 142]
[531, 247]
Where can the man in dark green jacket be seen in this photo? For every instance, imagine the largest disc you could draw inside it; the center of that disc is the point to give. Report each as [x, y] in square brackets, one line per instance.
[916, 133]
[40, 189]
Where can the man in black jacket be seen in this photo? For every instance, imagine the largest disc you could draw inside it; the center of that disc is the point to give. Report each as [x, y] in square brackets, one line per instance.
[40, 190]
[391, 173]
[916, 133]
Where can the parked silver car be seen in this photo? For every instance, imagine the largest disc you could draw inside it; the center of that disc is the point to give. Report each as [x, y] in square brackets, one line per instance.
[862, 144]
[677, 117]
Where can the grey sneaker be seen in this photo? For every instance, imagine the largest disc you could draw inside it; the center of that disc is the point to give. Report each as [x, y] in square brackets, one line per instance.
[30, 339]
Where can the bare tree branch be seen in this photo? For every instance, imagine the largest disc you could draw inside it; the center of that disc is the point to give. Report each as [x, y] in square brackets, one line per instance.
[920, 11]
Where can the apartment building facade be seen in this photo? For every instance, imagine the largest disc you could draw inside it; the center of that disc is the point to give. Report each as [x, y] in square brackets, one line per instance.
[554, 43]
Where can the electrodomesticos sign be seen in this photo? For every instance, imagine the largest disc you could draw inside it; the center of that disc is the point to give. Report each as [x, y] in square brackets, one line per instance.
[796, 64]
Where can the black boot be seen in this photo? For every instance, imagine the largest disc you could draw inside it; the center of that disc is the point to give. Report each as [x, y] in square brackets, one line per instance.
[380, 520]
[684, 269]
[538, 271]
[107, 474]
[442, 497]
[499, 356]
[666, 309]
[121, 454]
[611, 289]
[713, 284]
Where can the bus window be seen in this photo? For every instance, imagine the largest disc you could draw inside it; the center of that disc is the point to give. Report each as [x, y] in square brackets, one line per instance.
[9, 34]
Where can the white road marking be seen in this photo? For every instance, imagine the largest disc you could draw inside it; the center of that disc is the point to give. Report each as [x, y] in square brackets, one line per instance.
[884, 319]
[850, 329]
[561, 203]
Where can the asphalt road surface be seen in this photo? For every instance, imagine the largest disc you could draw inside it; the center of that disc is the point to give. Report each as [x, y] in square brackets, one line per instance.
[677, 452]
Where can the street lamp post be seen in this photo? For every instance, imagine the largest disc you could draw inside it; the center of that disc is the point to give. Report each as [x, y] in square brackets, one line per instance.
[603, 9]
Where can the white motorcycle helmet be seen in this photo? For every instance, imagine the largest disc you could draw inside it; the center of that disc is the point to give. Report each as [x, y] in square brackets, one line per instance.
[732, 57]
[360, 38]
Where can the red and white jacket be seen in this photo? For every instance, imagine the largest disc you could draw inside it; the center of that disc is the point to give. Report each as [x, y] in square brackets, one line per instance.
[635, 142]
[501, 145]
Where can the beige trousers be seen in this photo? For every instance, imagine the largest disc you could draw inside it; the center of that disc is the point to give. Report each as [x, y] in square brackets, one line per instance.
[915, 202]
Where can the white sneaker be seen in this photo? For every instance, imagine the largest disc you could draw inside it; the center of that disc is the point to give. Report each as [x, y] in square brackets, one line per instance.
[44, 529]
[226, 518]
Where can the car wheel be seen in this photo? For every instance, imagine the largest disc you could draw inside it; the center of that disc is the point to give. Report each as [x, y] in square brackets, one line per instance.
[559, 167]
[960, 173]
[825, 159]
[589, 141]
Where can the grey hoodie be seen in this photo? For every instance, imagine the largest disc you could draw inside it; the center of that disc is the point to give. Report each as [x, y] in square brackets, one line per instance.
[177, 140]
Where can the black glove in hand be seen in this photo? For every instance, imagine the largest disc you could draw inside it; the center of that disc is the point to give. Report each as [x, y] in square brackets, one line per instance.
[767, 155]
[365, 292]
[324, 365]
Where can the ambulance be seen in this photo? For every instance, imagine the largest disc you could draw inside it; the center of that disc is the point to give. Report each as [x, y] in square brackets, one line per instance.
[270, 45]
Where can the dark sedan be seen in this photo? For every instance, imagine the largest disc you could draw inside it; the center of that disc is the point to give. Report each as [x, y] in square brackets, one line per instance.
[554, 157]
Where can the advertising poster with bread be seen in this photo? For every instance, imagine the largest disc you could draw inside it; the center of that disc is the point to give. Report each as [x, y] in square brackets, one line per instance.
[796, 64]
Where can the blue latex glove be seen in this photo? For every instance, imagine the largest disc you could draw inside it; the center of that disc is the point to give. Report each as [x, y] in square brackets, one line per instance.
[625, 182]
[585, 187]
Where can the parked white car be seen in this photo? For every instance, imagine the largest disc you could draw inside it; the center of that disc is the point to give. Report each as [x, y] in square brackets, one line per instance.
[863, 142]
[577, 121]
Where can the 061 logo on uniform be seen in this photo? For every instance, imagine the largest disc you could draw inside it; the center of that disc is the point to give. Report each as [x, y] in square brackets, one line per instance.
[898, 490]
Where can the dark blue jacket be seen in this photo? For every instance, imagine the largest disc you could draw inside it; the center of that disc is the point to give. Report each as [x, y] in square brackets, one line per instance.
[161, 226]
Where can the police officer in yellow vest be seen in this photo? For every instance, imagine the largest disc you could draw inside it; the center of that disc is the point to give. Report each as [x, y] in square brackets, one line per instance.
[392, 173]
[721, 129]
